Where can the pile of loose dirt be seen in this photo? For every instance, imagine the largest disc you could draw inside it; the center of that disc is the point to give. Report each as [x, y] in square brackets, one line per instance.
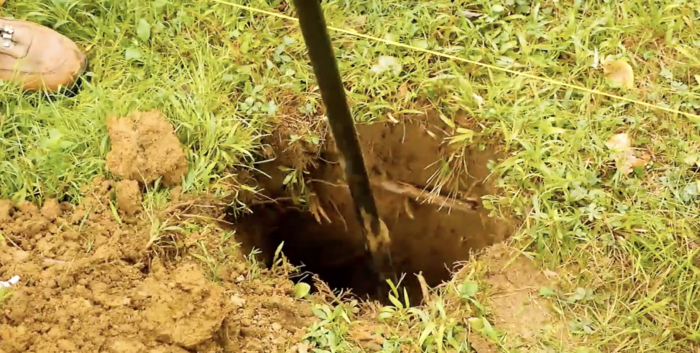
[93, 282]
[144, 147]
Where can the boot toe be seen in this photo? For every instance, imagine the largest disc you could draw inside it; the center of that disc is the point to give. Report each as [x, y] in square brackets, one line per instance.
[40, 58]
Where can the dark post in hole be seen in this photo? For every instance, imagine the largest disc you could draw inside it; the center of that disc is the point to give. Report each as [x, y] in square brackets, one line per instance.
[377, 241]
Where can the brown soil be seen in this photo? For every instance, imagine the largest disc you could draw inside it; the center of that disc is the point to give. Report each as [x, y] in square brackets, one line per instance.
[425, 238]
[515, 283]
[144, 147]
[128, 196]
[91, 284]
[5, 208]
[512, 290]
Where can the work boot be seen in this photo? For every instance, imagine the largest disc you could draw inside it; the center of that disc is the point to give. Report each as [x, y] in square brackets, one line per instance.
[37, 57]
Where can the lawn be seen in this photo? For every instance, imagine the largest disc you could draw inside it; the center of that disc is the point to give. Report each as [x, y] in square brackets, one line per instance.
[625, 246]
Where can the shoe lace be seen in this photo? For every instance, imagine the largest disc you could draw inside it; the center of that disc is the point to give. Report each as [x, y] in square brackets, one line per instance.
[6, 32]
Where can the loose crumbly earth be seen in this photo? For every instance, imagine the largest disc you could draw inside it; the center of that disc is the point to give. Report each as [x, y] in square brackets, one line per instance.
[90, 284]
[144, 147]
[128, 196]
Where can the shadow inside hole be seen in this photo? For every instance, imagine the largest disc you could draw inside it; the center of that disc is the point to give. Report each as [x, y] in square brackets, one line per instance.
[339, 259]
[425, 238]
[429, 243]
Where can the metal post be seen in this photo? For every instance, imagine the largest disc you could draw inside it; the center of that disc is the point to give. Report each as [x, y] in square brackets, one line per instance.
[377, 241]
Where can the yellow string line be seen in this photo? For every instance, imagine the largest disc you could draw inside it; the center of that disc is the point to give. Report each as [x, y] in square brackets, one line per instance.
[456, 58]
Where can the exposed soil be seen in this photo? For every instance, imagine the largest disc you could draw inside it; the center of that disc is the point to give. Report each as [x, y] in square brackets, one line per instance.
[425, 238]
[516, 307]
[128, 196]
[5, 208]
[144, 147]
[509, 290]
[91, 284]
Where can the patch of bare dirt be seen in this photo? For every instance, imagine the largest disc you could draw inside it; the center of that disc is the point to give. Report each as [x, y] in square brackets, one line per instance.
[516, 308]
[144, 147]
[506, 294]
[92, 284]
[515, 282]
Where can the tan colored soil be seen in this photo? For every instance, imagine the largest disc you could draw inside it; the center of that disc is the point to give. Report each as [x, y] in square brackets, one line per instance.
[514, 283]
[515, 302]
[5, 208]
[51, 210]
[128, 196]
[90, 284]
[144, 147]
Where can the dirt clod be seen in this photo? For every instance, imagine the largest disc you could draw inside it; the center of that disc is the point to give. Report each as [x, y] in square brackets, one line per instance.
[144, 148]
[88, 285]
[128, 196]
[51, 209]
[5, 209]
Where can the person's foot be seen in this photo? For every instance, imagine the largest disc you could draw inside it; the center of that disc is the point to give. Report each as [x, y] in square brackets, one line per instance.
[37, 57]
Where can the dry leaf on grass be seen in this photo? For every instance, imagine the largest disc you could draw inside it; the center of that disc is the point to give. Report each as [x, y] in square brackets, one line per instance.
[403, 90]
[619, 74]
[625, 159]
[619, 141]
[387, 63]
[596, 58]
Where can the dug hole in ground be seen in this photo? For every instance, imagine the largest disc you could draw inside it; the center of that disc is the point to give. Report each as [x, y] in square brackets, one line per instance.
[120, 272]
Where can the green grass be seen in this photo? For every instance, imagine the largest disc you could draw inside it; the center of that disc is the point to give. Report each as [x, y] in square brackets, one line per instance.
[225, 76]
[4, 295]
